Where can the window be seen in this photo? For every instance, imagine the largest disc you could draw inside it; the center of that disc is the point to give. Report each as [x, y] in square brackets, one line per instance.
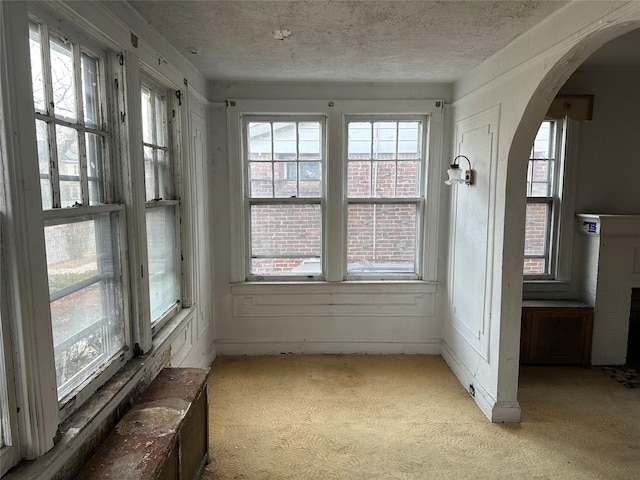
[284, 158]
[334, 190]
[82, 222]
[162, 205]
[385, 161]
[543, 200]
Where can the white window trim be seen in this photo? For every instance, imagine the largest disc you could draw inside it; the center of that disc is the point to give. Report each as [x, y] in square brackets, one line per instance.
[249, 202]
[23, 243]
[88, 386]
[152, 79]
[563, 215]
[334, 227]
[419, 201]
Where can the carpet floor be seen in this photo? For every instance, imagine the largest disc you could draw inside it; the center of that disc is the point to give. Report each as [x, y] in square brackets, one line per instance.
[407, 417]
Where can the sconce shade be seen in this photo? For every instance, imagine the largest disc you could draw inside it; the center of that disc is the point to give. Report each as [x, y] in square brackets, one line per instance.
[458, 175]
[455, 175]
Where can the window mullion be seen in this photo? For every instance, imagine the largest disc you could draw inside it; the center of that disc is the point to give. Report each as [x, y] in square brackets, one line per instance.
[297, 158]
[53, 164]
[45, 50]
[273, 154]
[397, 156]
[154, 150]
[82, 148]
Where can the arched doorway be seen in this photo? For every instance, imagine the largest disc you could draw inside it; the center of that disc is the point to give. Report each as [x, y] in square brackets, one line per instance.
[611, 199]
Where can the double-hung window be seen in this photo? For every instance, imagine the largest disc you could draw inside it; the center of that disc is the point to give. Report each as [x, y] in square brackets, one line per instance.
[284, 158]
[162, 204]
[334, 191]
[543, 200]
[83, 224]
[385, 200]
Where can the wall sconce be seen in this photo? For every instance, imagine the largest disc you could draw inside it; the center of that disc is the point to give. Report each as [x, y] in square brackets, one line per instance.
[457, 175]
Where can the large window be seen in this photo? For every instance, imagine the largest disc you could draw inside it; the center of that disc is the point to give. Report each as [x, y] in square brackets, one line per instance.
[543, 200]
[162, 206]
[334, 194]
[82, 223]
[385, 163]
[284, 159]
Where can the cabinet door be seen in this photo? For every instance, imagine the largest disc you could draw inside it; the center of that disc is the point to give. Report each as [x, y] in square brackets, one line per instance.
[194, 440]
[525, 337]
[558, 337]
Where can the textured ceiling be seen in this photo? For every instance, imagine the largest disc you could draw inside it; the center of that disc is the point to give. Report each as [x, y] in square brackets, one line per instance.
[341, 41]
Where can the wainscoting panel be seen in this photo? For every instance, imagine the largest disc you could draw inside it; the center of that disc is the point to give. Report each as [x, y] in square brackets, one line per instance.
[472, 231]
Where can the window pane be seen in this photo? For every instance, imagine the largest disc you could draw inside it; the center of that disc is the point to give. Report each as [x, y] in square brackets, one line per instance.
[147, 115]
[384, 140]
[164, 175]
[539, 178]
[260, 178]
[536, 237]
[359, 140]
[68, 166]
[284, 141]
[535, 266]
[544, 143]
[37, 77]
[149, 175]
[285, 179]
[161, 119]
[359, 179]
[90, 90]
[285, 238]
[42, 139]
[384, 179]
[259, 141]
[310, 175]
[95, 168]
[407, 179]
[86, 298]
[381, 238]
[309, 135]
[63, 79]
[409, 140]
[164, 290]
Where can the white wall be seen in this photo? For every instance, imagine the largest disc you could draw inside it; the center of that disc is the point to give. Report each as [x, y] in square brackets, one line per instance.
[608, 150]
[314, 318]
[519, 82]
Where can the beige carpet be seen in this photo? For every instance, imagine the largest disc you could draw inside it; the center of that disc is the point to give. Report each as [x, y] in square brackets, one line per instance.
[407, 417]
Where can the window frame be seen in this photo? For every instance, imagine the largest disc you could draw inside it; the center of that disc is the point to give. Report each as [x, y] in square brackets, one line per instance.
[72, 398]
[250, 201]
[561, 204]
[334, 228]
[418, 200]
[172, 181]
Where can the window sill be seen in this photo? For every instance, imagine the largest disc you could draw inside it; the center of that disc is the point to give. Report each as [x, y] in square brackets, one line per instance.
[86, 427]
[373, 286]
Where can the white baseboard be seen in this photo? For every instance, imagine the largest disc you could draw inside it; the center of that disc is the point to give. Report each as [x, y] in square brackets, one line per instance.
[261, 347]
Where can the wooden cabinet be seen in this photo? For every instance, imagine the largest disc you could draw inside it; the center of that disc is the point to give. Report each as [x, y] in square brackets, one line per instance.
[556, 332]
[163, 437]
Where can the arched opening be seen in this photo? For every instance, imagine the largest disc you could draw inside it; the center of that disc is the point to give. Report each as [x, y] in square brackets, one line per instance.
[606, 176]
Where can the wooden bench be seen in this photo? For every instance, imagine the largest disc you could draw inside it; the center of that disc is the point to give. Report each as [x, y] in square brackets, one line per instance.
[164, 436]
